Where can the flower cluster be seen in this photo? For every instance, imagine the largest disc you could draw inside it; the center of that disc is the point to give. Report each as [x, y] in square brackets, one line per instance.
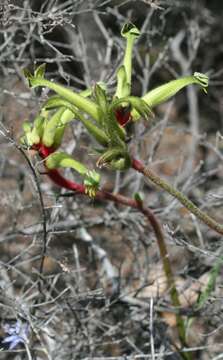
[103, 115]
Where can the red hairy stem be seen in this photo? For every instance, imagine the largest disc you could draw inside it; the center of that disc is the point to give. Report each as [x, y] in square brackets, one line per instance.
[61, 181]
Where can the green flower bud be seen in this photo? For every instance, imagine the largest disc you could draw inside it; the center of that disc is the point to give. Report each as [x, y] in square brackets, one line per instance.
[115, 158]
[51, 127]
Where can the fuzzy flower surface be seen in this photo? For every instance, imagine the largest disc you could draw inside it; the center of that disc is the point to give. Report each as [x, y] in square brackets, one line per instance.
[17, 334]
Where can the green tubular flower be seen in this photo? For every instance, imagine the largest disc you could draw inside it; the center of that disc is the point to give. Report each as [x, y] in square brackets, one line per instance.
[123, 87]
[71, 113]
[109, 133]
[91, 183]
[124, 74]
[48, 132]
[51, 129]
[62, 159]
[39, 124]
[202, 80]
[115, 158]
[121, 164]
[81, 102]
[33, 132]
[166, 91]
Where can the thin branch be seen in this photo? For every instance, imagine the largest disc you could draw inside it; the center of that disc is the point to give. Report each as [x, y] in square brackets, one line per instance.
[44, 218]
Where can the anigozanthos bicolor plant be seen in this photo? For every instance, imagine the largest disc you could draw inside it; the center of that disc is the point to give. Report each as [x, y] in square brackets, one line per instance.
[104, 115]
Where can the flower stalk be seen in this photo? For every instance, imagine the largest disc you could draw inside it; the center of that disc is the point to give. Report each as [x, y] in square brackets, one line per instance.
[60, 181]
[148, 173]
